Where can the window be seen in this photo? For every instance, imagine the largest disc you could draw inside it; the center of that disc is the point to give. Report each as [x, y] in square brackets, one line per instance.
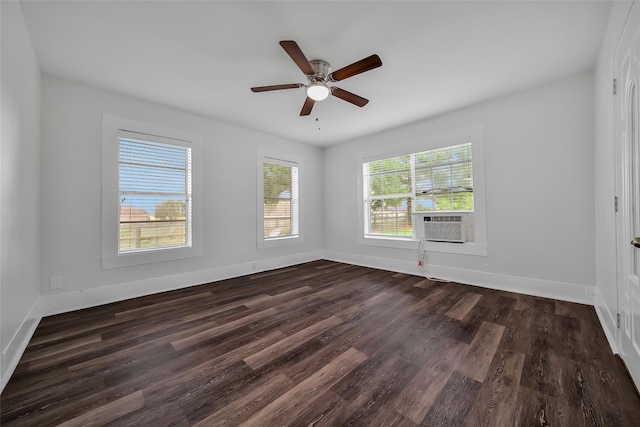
[388, 196]
[438, 179]
[429, 181]
[151, 193]
[154, 180]
[444, 179]
[278, 200]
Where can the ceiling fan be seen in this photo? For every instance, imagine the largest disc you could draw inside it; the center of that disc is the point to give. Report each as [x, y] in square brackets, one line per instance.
[319, 76]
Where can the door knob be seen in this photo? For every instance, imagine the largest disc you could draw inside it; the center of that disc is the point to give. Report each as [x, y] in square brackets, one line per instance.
[636, 242]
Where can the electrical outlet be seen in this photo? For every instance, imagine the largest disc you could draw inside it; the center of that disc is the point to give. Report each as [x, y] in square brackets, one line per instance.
[590, 293]
[55, 282]
[254, 266]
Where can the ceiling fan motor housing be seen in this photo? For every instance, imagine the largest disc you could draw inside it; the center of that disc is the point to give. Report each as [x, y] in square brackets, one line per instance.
[322, 69]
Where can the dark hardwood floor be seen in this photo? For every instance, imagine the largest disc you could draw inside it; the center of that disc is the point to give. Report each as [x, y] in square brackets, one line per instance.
[323, 344]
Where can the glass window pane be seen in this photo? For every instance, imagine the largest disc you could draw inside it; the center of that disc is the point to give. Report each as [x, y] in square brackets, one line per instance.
[154, 181]
[444, 179]
[390, 217]
[280, 207]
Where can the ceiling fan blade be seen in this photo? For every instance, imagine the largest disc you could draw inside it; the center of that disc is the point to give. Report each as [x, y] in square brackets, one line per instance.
[276, 87]
[294, 51]
[349, 97]
[366, 64]
[307, 107]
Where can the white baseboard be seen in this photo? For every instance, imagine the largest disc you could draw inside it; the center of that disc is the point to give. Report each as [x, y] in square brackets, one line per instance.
[571, 292]
[69, 301]
[608, 322]
[13, 352]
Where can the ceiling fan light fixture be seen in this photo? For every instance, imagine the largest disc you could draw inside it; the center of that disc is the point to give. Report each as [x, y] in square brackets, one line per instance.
[318, 91]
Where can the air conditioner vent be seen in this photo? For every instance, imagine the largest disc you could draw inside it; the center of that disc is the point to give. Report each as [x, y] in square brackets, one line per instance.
[444, 228]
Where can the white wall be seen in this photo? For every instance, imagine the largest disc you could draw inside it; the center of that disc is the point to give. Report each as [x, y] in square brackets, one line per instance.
[71, 199]
[539, 184]
[20, 189]
[605, 226]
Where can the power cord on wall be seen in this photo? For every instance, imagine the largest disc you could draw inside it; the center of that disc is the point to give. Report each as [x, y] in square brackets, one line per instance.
[421, 262]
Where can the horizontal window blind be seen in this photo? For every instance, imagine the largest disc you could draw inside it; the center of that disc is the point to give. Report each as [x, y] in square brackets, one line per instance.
[444, 179]
[280, 181]
[154, 182]
[390, 176]
[388, 204]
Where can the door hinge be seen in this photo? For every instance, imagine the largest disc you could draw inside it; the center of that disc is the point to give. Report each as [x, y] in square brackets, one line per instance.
[618, 320]
[615, 86]
[615, 203]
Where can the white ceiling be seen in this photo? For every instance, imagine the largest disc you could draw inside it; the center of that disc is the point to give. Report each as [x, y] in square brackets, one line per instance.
[203, 56]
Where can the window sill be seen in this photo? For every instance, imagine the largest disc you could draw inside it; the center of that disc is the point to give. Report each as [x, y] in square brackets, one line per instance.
[468, 248]
[279, 241]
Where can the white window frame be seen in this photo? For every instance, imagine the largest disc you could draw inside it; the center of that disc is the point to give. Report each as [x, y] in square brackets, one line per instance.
[112, 127]
[473, 134]
[264, 156]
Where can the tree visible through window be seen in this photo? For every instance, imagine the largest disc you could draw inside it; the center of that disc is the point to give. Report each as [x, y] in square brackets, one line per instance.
[438, 180]
[154, 181]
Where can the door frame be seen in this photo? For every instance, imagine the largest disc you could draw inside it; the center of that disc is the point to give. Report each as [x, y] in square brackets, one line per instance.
[622, 164]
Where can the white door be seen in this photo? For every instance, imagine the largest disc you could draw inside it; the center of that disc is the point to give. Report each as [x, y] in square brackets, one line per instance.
[627, 119]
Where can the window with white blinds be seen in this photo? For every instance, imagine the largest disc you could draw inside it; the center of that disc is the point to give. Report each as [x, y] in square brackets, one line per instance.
[444, 179]
[388, 196]
[154, 191]
[439, 180]
[280, 186]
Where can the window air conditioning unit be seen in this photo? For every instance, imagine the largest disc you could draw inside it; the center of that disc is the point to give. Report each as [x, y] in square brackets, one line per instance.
[444, 228]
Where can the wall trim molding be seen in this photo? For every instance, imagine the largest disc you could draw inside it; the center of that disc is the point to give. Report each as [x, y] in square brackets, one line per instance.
[76, 300]
[607, 321]
[15, 349]
[564, 291]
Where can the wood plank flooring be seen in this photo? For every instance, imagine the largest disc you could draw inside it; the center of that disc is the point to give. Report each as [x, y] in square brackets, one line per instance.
[323, 344]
